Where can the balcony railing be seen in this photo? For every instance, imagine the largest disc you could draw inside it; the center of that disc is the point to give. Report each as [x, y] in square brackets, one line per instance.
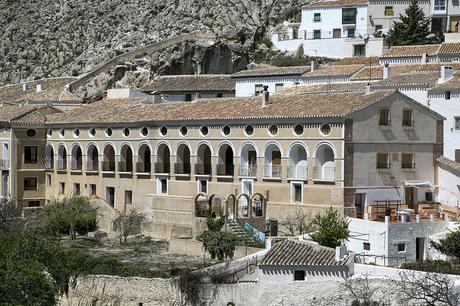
[61, 164]
[162, 168]
[182, 168]
[203, 169]
[126, 167]
[92, 165]
[225, 170]
[248, 170]
[142, 167]
[325, 173]
[272, 171]
[4, 164]
[108, 166]
[297, 172]
[77, 166]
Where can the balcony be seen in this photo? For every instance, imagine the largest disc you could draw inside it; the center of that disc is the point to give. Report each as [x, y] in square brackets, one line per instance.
[162, 168]
[325, 173]
[182, 168]
[248, 170]
[92, 166]
[143, 168]
[108, 166]
[272, 171]
[76, 166]
[203, 169]
[49, 164]
[61, 165]
[225, 170]
[297, 172]
[4, 164]
[125, 167]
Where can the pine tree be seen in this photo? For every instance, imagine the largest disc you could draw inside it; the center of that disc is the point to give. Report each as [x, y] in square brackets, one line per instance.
[413, 29]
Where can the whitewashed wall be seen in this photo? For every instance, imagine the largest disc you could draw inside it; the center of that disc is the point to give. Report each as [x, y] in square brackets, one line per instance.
[449, 193]
[245, 87]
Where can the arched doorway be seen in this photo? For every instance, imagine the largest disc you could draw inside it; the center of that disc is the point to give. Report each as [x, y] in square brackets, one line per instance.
[225, 166]
[230, 207]
[272, 167]
[258, 205]
[243, 206]
[62, 158]
[203, 165]
[126, 159]
[248, 161]
[92, 158]
[77, 158]
[182, 165]
[108, 163]
[325, 163]
[144, 157]
[298, 163]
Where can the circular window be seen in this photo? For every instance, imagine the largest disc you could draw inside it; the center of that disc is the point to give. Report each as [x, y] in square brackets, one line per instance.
[108, 132]
[325, 129]
[164, 130]
[249, 130]
[273, 130]
[226, 130]
[31, 133]
[76, 132]
[183, 130]
[62, 133]
[49, 132]
[126, 132]
[144, 131]
[92, 132]
[298, 129]
[204, 130]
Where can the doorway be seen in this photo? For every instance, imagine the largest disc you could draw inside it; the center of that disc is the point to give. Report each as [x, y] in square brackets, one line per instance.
[409, 197]
[419, 249]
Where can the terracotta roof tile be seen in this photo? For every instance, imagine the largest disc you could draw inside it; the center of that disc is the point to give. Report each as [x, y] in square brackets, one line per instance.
[302, 253]
[433, 67]
[10, 113]
[374, 61]
[281, 106]
[334, 3]
[368, 73]
[325, 88]
[191, 83]
[444, 161]
[452, 84]
[408, 79]
[294, 70]
[407, 51]
[336, 70]
[449, 48]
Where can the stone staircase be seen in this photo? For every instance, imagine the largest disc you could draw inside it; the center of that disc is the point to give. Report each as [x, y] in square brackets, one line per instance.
[234, 227]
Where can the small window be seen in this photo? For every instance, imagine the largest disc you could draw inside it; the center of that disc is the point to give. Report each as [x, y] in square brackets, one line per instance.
[299, 275]
[316, 34]
[76, 189]
[31, 133]
[163, 185]
[258, 88]
[183, 130]
[325, 129]
[62, 133]
[204, 130]
[447, 95]
[351, 32]
[366, 246]
[92, 189]
[295, 32]
[76, 132]
[49, 132]
[407, 161]
[298, 129]
[384, 117]
[126, 132]
[220, 95]
[92, 132]
[336, 33]
[144, 131]
[188, 97]
[30, 183]
[457, 156]
[203, 186]
[457, 123]
[163, 131]
[401, 247]
[226, 130]
[407, 118]
[128, 197]
[429, 196]
[378, 27]
[359, 50]
[297, 193]
[317, 17]
[30, 154]
[383, 161]
[249, 130]
[389, 11]
[48, 180]
[273, 130]
[108, 132]
[61, 188]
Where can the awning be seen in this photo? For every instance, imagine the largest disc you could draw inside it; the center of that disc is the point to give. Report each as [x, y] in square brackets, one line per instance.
[418, 184]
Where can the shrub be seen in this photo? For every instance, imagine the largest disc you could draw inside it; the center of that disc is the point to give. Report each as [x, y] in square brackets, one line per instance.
[332, 228]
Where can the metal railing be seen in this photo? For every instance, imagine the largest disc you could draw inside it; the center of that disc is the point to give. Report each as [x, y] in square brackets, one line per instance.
[297, 172]
[325, 173]
[162, 167]
[248, 170]
[108, 166]
[225, 170]
[272, 171]
[143, 167]
[92, 165]
[125, 167]
[203, 169]
[183, 168]
[76, 166]
[49, 163]
[62, 164]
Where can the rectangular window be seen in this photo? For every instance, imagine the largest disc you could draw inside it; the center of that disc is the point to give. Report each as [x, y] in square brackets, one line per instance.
[383, 161]
[351, 33]
[316, 34]
[359, 50]
[258, 88]
[48, 180]
[76, 189]
[128, 197]
[162, 185]
[447, 95]
[30, 183]
[110, 196]
[295, 33]
[349, 16]
[92, 189]
[407, 118]
[407, 161]
[360, 201]
[61, 188]
[366, 246]
[203, 186]
[317, 17]
[429, 196]
[439, 5]
[219, 95]
[336, 33]
[401, 247]
[33, 203]
[378, 27]
[30, 154]
[278, 87]
[296, 193]
[299, 275]
[457, 156]
[457, 123]
[188, 97]
[384, 117]
[389, 11]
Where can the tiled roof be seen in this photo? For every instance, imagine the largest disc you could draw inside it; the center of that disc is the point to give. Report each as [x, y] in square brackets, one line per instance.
[368, 73]
[433, 67]
[16, 113]
[324, 105]
[302, 253]
[453, 83]
[407, 51]
[334, 3]
[408, 79]
[336, 70]
[294, 70]
[374, 61]
[191, 83]
[325, 88]
[53, 90]
[449, 48]
[449, 163]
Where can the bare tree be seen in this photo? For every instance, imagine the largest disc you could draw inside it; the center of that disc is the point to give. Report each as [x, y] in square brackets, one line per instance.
[128, 224]
[361, 290]
[299, 221]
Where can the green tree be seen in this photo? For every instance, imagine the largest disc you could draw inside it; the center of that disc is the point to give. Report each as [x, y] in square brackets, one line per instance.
[10, 214]
[449, 245]
[413, 29]
[218, 243]
[332, 228]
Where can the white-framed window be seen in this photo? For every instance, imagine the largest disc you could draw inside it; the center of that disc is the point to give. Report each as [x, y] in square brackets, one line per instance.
[366, 246]
[296, 192]
[162, 185]
[202, 186]
[439, 5]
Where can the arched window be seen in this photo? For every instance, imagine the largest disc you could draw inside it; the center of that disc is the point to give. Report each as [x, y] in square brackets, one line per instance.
[248, 161]
[297, 168]
[62, 158]
[203, 165]
[182, 165]
[144, 156]
[325, 163]
[126, 162]
[77, 158]
[163, 164]
[272, 168]
[108, 164]
[49, 157]
[225, 166]
[92, 158]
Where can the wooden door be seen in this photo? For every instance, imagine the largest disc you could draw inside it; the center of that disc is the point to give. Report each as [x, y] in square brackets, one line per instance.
[409, 196]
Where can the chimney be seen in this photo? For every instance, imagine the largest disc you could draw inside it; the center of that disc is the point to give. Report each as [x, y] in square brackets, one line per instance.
[39, 87]
[265, 97]
[340, 252]
[447, 72]
[424, 58]
[24, 87]
[386, 71]
[157, 97]
[313, 65]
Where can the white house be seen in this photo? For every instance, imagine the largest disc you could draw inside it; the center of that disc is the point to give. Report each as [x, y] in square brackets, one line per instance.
[334, 29]
[449, 182]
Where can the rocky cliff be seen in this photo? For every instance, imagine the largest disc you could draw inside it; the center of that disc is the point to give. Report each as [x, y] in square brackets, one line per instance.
[51, 38]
